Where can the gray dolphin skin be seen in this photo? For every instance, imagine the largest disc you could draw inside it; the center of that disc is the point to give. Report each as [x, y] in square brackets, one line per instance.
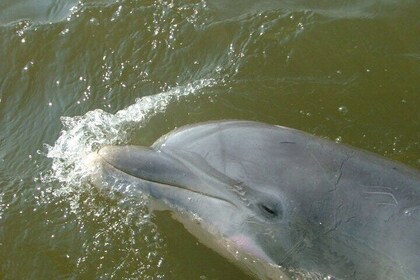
[295, 204]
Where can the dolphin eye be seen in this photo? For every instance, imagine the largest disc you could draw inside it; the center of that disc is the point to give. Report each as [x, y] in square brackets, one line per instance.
[269, 210]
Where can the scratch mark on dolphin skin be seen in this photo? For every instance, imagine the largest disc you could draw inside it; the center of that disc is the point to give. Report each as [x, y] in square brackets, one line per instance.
[319, 164]
[383, 193]
[349, 219]
[334, 187]
[292, 250]
[334, 190]
[287, 142]
[340, 173]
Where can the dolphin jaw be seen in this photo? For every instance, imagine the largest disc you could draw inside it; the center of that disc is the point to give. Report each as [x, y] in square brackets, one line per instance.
[107, 166]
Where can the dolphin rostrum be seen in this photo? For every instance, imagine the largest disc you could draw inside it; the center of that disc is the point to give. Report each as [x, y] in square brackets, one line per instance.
[279, 202]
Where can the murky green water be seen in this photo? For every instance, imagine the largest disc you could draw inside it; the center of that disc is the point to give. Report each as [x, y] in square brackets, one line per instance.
[78, 75]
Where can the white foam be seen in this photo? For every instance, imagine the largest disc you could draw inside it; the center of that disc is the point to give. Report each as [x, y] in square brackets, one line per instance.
[123, 222]
[82, 135]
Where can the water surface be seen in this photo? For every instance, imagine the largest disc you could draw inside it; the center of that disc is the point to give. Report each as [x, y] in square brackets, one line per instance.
[78, 75]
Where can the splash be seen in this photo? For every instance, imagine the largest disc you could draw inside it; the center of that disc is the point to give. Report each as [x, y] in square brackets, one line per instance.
[83, 135]
[116, 223]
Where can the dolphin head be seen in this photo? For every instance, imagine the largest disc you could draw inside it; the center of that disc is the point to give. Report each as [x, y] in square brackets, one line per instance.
[252, 219]
[279, 196]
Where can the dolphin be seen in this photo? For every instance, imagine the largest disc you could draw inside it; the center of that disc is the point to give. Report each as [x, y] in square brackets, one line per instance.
[280, 203]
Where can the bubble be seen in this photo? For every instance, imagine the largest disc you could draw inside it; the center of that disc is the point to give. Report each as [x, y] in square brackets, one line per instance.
[94, 21]
[343, 110]
[27, 66]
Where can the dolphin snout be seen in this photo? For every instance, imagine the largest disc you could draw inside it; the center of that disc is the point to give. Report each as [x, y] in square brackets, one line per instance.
[106, 151]
[145, 163]
[134, 160]
[111, 153]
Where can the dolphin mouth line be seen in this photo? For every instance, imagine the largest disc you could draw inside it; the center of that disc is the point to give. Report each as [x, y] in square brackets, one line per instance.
[180, 187]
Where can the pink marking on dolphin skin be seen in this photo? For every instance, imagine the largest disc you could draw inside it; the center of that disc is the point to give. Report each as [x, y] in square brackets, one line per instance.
[248, 245]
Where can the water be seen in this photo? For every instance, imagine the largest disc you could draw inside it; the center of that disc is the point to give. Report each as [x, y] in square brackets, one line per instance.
[78, 75]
